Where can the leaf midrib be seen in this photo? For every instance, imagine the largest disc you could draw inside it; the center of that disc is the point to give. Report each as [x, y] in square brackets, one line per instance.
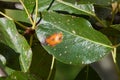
[80, 36]
[68, 4]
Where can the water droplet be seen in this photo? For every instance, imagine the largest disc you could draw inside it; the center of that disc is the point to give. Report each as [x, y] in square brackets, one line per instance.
[87, 62]
[76, 4]
[82, 62]
[68, 20]
[60, 54]
[66, 47]
[73, 16]
[14, 77]
[2, 58]
[59, 22]
[88, 47]
[65, 52]
[73, 32]
[100, 55]
[70, 62]
[76, 40]
[54, 49]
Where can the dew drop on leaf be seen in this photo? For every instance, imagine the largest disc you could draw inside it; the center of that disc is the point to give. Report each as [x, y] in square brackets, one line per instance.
[66, 47]
[68, 20]
[73, 32]
[60, 54]
[54, 49]
[70, 62]
[65, 52]
[88, 47]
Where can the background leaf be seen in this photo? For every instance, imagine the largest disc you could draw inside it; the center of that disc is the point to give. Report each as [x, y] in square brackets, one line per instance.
[87, 73]
[11, 57]
[41, 61]
[84, 9]
[98, 2]
[81, 44]
[10, 37]
[18, 15]
[63, 70]
[20, 76]
[42, 4]
[117, 27]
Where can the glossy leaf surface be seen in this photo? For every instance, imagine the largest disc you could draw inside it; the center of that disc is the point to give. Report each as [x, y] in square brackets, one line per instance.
[10, 37]
[84, 9]
[20, 76]
[97, 2]
[81, 44]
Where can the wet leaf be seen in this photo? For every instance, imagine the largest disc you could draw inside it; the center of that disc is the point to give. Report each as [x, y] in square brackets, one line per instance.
[29, 4]
[81, 44]
[98, 2]
[84, 9]
[10, 37]
[42, 5]
[20, 76]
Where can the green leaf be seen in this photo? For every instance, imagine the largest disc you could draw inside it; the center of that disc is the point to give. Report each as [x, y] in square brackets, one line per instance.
[29, 4]
[41, 61]
[42, 4]
[63, 70]
[81, 44]
[87, 73]
[11, 60]
[111, 32]
[117, 27]
[20, 76]
[10, 37]
[85, 9]
[98, 2]
[17, 15]
[118, 56]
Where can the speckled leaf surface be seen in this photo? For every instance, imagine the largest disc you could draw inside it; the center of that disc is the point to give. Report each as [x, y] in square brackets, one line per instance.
[81, 44]
[42, 4]
[17, 75]
[84, 9]
[97, 2]
[10, 37]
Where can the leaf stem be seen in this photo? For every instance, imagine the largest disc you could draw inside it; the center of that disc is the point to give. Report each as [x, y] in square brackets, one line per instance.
[114, 59]
[26, 11]
[24, 27]
[51, 69]
[36, 13]
[114, 12]
[99, 21]
[5, 15]
[31, 40]
[87, 72]
[114, 55]
[50, 4]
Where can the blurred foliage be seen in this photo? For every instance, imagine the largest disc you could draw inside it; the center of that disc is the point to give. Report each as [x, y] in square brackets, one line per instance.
[31, 47]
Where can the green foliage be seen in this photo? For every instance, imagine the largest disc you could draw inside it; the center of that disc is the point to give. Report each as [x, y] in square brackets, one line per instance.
[88, 29]
[75, 39]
